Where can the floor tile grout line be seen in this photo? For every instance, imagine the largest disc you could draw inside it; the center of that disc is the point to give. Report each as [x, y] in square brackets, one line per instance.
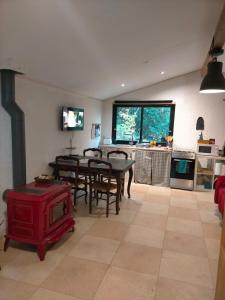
[100, 283]
[20, 281]
[157, 281]
[78, 259]
[2, 275]
[208, 259]
[188, 283]
[110, 265]
[93, 260]
[51, 291]
[162, 257]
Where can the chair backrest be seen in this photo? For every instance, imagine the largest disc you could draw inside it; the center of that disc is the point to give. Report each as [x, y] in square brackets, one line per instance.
[98, 168]
[95, 151]
[61, 161]
[118, 153]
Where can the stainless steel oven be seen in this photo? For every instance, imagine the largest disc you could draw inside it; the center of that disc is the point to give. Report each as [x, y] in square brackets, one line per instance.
[182, 170]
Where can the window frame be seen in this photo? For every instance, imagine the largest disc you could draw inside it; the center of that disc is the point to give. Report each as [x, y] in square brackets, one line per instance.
[142, 106]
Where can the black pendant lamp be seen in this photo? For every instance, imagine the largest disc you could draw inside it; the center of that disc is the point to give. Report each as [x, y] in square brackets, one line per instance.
[214, 81]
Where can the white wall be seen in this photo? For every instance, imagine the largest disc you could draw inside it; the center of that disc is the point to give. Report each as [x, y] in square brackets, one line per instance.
[44, 139]
[190, 104]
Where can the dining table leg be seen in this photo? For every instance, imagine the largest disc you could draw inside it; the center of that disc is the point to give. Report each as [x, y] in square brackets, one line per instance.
[119, 183]
[129, 181]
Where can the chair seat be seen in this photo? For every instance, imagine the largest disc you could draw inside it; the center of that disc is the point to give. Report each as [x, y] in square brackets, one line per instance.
[104, 186]
[80, 181]
[105, 177]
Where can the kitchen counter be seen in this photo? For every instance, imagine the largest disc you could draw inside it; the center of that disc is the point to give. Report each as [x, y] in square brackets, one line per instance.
[138, 147]
[152, 163]
[216, 157]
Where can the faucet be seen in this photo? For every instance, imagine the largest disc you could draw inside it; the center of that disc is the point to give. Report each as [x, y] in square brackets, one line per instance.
[132, 137]
[131, 142]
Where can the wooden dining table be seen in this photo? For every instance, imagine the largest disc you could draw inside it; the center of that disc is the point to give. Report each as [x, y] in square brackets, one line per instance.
[119, 168]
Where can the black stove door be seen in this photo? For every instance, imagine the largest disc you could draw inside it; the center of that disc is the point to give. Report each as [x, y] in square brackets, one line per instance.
[182, 168]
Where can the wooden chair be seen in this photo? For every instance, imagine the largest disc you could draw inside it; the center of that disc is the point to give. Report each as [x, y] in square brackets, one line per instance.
[117, 154]
[120, 155]
[94, 152]
[97, 170]
[78, 184]
[82, 175]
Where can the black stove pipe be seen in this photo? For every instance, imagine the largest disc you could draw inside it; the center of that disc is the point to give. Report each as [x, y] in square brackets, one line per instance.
[7, 85]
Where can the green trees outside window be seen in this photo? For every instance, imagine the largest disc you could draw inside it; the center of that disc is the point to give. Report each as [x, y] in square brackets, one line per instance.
[142, 123]
[128, 123]
[156, 124]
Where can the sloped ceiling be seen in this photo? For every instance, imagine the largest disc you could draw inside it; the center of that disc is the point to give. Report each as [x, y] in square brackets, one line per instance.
[92, 46]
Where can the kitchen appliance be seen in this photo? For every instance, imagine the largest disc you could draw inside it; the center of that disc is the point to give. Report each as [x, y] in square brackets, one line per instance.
[208, 149]
[182, 170]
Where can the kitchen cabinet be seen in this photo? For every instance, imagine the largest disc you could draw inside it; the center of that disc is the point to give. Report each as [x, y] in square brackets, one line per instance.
[152, 165]
[143, 167]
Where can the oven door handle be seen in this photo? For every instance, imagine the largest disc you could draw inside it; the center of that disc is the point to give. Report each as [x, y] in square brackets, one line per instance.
[183, 159]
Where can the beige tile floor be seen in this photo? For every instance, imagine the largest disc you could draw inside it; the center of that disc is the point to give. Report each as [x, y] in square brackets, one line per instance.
[163, 245]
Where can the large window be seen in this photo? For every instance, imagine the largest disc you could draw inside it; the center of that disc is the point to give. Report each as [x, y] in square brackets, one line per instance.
[128, 123]
[142, 123]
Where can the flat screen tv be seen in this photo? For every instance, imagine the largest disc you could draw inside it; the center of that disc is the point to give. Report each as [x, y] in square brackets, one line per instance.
[72, 118]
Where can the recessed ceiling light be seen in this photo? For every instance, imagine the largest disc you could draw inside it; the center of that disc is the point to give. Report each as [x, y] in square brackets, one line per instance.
[123, 84]
[162, 72]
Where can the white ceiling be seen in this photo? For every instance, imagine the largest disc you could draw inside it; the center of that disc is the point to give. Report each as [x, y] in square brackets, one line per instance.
[92, 46]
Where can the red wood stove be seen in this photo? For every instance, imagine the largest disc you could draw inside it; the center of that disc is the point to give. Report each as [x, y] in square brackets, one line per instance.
[39, 214]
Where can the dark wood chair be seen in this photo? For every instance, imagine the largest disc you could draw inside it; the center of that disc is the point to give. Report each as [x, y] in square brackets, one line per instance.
[97, 170]
[78, 184]
[83, 176]
[117, 154]
[93, 152]
[120, 155]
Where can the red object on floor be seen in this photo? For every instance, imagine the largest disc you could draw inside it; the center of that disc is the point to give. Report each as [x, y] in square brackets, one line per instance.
[219, 196]
[39, 214]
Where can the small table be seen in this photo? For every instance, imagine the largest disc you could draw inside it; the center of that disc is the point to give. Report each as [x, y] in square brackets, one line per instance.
[39, 214]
